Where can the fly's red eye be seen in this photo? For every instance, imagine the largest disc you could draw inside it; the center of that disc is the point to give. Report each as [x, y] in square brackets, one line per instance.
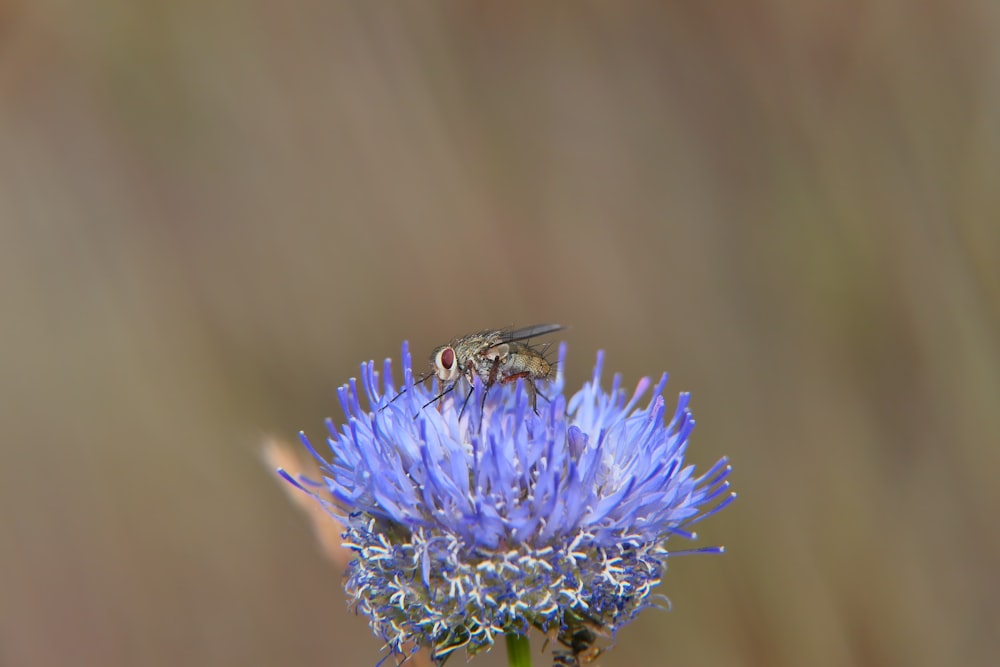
[447, 357]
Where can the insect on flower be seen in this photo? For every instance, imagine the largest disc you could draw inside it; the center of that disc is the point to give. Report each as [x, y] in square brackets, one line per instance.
[577, 638]
[495, 356]
[562, 522]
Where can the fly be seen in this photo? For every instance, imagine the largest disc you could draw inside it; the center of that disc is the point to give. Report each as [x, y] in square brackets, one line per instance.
[495, 356]
[578, 637]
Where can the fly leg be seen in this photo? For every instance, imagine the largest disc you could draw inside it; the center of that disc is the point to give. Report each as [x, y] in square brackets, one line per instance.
[490, 381]
[529, 385]
[466, 401]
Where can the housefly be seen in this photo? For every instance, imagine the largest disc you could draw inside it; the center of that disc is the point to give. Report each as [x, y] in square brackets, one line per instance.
[495, 356]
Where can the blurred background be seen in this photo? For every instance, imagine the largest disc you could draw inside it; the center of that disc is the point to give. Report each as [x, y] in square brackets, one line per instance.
[211, 212]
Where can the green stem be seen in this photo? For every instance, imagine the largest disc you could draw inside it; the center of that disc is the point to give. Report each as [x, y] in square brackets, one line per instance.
[518, 650]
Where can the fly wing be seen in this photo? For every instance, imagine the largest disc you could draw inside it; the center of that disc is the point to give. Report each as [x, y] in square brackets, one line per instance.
[530, 332]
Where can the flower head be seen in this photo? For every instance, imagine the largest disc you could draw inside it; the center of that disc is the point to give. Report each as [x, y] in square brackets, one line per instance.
[469, 526]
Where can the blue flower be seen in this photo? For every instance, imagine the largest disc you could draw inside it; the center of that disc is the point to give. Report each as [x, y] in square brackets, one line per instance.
[470, 526]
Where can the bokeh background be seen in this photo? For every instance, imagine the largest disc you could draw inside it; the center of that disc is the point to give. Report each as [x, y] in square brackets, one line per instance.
[211, 211]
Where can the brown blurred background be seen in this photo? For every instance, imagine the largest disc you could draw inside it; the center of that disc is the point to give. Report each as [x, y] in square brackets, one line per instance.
[211, 211]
